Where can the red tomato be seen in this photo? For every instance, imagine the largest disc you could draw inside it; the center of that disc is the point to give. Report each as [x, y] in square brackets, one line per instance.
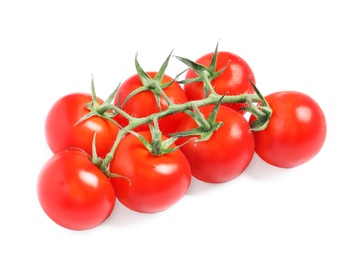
[153, 183]
[296, 131]
[73, 192]
[228, 151]
[144, 103]
[62, 133]
[234, 80]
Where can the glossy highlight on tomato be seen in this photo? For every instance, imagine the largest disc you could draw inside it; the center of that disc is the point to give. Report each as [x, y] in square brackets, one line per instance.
[149, 183]
[154, 135]
[296, 131]
[226, 154]
[73, 192]
[234, 80]
[62, 132]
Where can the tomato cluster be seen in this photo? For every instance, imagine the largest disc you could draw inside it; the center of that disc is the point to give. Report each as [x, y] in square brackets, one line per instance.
[143, 144]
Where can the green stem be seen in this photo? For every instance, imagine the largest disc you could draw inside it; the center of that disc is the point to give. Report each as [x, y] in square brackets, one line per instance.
[109, 157]
[134, 122]
[200, 119]
[156, 138]
[118, 110]
[162, 93]
[255, 110]
[207, 83]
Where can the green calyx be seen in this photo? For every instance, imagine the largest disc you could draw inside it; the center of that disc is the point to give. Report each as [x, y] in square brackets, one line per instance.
[206, 126]
[262, 112]
[152, 84]
[105, 110]
[157, 146]
[204, 74]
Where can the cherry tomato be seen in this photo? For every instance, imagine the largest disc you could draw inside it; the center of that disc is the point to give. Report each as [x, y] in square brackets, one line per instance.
[234, 80]
[152, 183]
[62, 133]
[226, 154]
[144, 103]
[73, 192]
[296, 131]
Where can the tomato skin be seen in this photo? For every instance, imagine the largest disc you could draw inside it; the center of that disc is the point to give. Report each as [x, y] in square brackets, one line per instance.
[152, 183]
[61, 133]
[226, 154]
[296, 131]
[144, 103]
[234, 80]
[73, 192]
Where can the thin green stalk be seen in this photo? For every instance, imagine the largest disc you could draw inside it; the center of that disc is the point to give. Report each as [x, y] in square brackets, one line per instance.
[134, 122]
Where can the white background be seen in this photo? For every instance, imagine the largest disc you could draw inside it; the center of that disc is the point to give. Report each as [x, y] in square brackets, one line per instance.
[51, 48]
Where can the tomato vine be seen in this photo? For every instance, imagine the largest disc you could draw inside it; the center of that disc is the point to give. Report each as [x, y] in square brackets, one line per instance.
[145, 141]
[205, 75]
